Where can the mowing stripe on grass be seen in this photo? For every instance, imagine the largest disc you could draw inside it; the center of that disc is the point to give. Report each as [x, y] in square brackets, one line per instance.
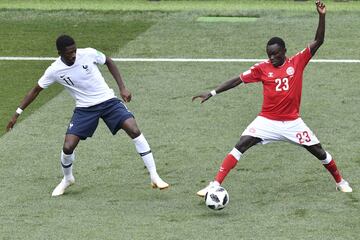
[226, 19]
[180, 59]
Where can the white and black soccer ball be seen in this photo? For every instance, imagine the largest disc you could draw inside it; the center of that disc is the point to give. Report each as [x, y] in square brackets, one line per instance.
[216, 198]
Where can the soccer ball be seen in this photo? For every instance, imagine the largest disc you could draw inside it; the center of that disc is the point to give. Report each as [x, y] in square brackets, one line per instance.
[216, 198]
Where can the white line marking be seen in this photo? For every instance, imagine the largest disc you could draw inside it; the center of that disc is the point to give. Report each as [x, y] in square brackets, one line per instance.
[27, 58]
[180, 59]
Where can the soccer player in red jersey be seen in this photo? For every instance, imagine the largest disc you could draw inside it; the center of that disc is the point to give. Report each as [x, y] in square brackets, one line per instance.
[279, 119]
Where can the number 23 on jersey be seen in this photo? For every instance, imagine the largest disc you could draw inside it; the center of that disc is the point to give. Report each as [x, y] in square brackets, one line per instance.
[282, 84]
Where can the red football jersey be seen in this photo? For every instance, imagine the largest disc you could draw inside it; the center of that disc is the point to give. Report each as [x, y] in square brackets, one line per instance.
[281, 85]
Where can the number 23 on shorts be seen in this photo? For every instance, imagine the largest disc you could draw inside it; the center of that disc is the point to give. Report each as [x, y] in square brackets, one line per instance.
[303, 137]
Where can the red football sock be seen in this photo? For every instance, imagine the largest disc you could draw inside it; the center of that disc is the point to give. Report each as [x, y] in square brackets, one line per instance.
[228, 163]
[331, 167]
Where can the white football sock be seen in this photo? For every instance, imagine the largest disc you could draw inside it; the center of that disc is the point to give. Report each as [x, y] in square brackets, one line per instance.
[66, 164]
[327, 160]
[236, 153]
[143, 148]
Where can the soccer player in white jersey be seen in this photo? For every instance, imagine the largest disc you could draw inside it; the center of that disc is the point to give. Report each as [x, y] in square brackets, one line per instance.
[76, 69]
[279, 119]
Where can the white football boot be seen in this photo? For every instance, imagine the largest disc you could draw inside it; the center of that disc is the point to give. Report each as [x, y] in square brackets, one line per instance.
[343, 186]
[60, 189]
[203, 191]
[159, 183]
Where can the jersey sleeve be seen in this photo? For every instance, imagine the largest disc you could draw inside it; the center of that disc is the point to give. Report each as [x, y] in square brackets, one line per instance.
[251, 75]
[302, 58]
[46, 79]
[97, 56]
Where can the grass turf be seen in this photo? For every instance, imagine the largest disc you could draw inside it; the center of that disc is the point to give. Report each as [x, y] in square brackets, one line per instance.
[170, 5]
[277, 191]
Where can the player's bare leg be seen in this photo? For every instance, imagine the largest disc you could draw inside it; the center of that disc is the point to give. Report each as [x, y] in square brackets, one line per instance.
[143, 148]
[230, 162]
[67, 159]
[329, 163]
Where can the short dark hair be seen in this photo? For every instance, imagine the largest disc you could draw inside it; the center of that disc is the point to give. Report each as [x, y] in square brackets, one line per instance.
[276, 40]
[64, 41]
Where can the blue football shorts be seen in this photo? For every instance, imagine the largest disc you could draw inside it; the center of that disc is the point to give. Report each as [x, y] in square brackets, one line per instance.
[86, 119]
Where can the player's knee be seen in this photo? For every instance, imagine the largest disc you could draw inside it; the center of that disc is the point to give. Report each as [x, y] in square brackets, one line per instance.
[320, 155]
[131, 128]
[134, 132]
[327, 159]
[241, 148]
[68, 148]
[318, 152]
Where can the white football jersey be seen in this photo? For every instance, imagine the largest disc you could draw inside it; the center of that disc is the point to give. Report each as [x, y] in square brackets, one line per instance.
[83, 79]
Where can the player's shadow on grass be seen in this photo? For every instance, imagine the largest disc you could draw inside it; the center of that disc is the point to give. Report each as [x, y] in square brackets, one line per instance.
[209, 213]
[76, 191]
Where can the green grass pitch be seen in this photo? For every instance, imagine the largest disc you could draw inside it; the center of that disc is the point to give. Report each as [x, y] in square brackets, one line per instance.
[277, 191]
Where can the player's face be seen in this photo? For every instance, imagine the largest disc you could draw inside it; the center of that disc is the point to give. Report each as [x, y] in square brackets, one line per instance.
[276, 54]
[68, 56]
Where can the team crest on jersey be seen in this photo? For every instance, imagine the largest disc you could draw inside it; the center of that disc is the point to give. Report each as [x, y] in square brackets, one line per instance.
[290, 70]
[86, 67]
[270, 74]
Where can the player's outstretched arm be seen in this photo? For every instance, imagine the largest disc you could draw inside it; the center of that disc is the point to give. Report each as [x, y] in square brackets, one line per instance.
[125, 94]
[320, 32]
[29, 98]
[221, 88]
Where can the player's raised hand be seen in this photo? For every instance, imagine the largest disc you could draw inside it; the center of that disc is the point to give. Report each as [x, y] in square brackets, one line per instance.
[320, 7]
[125, 95]
[11, 123]
[204, 96]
